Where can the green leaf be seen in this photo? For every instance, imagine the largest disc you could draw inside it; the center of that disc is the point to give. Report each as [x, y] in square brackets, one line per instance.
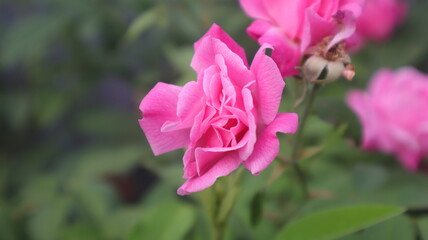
[397, 228]
[401, 188]
[423, 228]
[95, 162]
[96, 199]
[6, 221]
[176, 220]
[337, 222]
[81, 230]
[47, 222]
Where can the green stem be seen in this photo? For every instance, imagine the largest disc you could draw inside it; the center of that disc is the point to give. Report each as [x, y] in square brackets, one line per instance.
[225, 194]
[219, 231]
[298, 137]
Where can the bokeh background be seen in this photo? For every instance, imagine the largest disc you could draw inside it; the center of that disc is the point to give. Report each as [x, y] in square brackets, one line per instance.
[74, 163]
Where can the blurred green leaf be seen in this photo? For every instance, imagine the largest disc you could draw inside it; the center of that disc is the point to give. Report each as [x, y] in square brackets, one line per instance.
[337, 222]
[82, 230]
[47, 222]
[40, 190]
[96, 198]
[49, 107]
[6, 221]
[176, 218]
[423, 228]
[397, 228]
[29, 38]
[106, 123]
[96, 162]
[16, 109]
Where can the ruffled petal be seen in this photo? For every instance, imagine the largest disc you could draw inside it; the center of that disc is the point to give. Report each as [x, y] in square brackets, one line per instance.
[288, 15]
[255, 8]
[269, 85]
[315, 28]
[190, 100]
[221, 167]
[258, 28]
[267, 145]
[286, 54]
[347, 21]
[160, 106]
[214, 42]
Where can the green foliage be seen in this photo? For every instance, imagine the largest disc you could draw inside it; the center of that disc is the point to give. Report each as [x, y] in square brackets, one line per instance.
[337, 222]
[176, 220]
[423, 227]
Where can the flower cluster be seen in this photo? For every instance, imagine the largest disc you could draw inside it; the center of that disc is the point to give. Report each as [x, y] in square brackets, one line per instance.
[292, 27]
[229, 115]
[295, 28]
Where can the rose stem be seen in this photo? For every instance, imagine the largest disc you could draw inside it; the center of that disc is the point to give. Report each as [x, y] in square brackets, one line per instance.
[297, 140]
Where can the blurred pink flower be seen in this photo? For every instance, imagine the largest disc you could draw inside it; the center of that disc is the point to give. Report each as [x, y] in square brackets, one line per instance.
[227, 117]
[291, 27]
[378, 20]
[394, 114]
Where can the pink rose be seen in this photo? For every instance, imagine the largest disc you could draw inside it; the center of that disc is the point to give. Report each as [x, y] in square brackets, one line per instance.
[371, 26]
[291, 27]
[394, 114]
[378, 20]
[227, 117]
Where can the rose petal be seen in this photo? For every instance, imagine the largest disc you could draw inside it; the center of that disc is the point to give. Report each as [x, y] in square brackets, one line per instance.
[214, 42]
[158, 107]
[347, 20]
[315, 28]
[258, 28]
[286, 54]
[255, 8]
[247, 150]
[222, 167]
[267, 145]
[269, 84]
[190, 100]
[288, 15]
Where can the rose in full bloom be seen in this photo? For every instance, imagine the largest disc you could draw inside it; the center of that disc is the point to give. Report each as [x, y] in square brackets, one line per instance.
[292, 27]
[378, 20]
[227, 117]
[394, 114]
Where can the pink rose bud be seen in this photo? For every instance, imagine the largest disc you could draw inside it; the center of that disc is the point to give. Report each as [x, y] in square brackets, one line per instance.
[226, 118]
[394, 114]
[327, 66]
[292, 27]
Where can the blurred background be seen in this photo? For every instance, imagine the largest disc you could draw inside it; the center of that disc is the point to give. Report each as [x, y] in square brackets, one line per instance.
[74, 163]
